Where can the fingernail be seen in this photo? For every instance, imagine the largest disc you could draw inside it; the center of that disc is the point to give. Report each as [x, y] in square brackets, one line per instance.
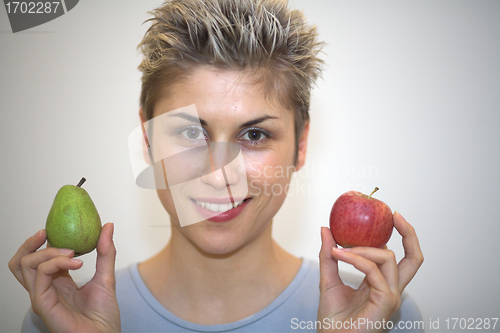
[65, 251]
[38, 233]
[77, 261]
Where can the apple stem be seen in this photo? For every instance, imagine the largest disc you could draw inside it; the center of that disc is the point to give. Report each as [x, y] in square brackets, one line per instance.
[80, 183]
[375, 190]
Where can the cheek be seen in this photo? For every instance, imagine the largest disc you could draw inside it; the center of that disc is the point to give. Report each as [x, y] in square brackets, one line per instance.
[279, 155]
[269, 168]
[166, 200]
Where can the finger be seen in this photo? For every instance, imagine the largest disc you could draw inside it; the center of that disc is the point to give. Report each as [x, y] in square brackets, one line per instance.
[380, 293]
[29, 246]
[106, 257]
[366, 266]
[45, 273]
[329, 269]
[385, 259]
[30, 263]
[413, 258]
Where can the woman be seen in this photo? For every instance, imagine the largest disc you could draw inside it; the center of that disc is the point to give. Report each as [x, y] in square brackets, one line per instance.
[236, 72]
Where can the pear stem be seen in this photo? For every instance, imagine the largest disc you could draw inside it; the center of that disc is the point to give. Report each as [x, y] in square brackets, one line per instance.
[80, 183]
[375, 190]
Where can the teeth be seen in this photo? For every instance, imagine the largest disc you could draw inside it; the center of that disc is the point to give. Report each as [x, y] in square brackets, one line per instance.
[214, 207]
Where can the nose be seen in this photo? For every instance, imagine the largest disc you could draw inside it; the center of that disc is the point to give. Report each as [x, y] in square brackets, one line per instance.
[224, 169]
[216, 179]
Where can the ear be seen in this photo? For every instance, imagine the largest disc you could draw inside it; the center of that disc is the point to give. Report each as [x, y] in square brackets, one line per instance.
[145, 143]
[301, 153]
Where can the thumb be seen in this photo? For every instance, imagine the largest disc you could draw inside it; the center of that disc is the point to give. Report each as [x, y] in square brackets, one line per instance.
[106, 255]
[328, 266]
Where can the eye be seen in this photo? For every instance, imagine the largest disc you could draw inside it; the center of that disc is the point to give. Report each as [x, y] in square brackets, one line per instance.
[255, 136]
[193, 133]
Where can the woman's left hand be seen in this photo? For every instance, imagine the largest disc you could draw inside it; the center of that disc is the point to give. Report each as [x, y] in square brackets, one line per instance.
[379, 295]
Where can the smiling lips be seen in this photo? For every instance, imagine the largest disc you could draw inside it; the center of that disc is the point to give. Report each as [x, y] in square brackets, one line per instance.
[216, 207]
[225, 211]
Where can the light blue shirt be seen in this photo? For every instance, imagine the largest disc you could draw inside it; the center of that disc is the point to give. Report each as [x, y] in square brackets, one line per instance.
[294, 310]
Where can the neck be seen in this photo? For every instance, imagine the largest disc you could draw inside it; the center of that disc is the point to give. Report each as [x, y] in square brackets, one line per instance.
[258, 252]
[196, 281]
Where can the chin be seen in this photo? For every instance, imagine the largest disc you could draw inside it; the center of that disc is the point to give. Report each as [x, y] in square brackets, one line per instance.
[217, 244]
[223, 251]
[215, 241]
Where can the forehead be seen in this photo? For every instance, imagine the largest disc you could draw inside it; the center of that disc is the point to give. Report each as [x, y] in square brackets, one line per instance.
[213, 89]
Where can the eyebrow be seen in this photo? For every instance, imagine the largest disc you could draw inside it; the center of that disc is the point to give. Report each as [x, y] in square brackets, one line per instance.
[257, 120]
[190, 118]
[204, 123]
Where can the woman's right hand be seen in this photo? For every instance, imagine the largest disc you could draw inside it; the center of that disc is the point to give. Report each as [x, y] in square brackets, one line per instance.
[55, 297]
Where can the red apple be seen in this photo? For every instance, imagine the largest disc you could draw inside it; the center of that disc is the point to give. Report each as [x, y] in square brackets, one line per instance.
[357, 219]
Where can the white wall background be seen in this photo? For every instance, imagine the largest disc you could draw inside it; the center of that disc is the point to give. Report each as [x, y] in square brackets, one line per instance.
[409, 102]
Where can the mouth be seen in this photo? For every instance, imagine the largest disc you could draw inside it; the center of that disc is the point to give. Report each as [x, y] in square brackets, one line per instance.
[219, 207]
[220, 211]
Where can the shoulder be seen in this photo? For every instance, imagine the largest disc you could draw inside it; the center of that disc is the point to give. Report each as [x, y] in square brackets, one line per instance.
[304, 289]
[139, 309]
[300, 300]
[124, 280]
[129, 296]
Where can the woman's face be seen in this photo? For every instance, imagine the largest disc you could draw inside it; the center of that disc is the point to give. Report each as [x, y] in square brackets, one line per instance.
[233, 109]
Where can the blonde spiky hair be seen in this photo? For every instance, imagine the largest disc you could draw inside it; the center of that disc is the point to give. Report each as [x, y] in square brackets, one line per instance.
[263, 36]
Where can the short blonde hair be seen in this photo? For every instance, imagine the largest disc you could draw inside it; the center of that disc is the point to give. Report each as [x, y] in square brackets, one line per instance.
[258, 35]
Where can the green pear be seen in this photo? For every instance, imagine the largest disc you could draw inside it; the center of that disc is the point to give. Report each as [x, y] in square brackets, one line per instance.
[73, 221]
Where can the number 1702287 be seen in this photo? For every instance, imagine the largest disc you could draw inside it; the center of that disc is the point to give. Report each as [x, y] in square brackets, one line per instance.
[45, 7]
[471, 323]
